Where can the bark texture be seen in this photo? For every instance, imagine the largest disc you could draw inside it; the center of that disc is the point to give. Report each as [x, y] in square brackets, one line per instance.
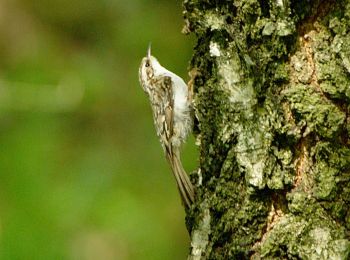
[272, 100]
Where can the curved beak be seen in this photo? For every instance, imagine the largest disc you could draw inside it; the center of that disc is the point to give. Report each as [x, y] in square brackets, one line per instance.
[149, 51]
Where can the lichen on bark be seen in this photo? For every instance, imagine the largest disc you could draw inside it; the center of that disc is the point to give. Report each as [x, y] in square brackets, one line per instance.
[272, 92]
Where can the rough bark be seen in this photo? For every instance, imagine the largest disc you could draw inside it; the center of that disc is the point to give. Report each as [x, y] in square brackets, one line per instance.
[272, 100]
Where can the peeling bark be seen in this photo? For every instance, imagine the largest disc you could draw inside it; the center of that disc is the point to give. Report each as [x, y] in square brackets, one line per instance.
[272, 100]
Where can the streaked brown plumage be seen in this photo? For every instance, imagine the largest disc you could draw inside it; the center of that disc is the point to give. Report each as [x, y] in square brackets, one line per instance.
[171, 106]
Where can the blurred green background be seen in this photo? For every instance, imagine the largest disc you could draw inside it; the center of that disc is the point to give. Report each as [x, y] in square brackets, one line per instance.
[82, 175]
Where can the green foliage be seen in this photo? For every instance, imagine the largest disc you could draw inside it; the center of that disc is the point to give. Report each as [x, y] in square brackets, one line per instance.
[82, 175]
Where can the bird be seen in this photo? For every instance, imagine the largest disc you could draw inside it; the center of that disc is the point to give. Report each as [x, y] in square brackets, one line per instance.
[171, 103]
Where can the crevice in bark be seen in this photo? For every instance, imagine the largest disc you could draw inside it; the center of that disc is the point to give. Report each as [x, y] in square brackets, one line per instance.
[301, 163]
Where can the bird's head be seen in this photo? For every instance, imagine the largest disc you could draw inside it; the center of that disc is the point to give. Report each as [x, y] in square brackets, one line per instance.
[148, 69]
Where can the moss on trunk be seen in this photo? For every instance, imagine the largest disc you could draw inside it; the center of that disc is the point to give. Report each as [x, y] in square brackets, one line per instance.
[272, 95]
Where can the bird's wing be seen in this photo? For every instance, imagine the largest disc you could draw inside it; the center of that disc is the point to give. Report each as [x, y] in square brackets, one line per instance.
[163, 109]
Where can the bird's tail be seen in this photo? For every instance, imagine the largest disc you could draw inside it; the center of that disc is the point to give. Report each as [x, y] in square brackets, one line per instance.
[182, 180]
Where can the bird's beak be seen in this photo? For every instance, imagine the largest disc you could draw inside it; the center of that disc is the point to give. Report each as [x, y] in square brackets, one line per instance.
[149, 51]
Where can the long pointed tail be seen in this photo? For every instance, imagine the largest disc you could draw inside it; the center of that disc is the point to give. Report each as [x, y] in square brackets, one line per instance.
[182, 180]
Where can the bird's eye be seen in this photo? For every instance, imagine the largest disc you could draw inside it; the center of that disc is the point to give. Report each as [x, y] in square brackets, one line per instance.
[147, 64]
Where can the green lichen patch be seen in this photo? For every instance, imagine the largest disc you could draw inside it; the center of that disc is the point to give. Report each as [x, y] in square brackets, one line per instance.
[305, 238]
[325, 182]
[200, 234]
[303, 70]
[311, 108]
[279, 172]
[332, 65]
[238, 225]
[332, 52]
[307, 232]
[331, 176]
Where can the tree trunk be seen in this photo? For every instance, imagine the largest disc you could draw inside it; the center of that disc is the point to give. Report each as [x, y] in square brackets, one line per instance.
[272, 94]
